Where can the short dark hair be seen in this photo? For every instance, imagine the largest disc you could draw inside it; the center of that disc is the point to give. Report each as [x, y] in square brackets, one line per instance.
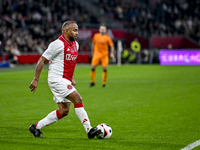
[67, 23]
[102, 25]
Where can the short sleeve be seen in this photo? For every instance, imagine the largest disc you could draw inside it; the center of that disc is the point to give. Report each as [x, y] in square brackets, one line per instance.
[53, 49]
[94, 39]
[77, 46]
[110, 42]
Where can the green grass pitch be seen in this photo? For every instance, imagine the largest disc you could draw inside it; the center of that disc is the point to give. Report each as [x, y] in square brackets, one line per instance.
[149, 107]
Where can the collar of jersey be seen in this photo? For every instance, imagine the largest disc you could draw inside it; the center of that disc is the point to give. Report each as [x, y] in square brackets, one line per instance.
[66, 40]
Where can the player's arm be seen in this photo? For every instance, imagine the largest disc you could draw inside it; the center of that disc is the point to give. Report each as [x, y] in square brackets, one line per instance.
[92, 49]
[53, 49]
[112, 48]
[112, 52]
[38, 70]
[93, 44]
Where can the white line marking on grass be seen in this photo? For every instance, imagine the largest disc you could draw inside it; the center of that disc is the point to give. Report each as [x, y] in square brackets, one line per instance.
[191, 146]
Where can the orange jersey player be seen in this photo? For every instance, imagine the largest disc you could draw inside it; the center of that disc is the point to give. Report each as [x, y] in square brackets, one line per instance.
[100, 49]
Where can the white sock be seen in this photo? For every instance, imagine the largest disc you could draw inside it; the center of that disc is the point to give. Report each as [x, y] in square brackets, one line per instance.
[83, 117]
[49, 119]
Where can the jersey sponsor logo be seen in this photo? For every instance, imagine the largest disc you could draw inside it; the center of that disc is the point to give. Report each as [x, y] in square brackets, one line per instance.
[70, 57]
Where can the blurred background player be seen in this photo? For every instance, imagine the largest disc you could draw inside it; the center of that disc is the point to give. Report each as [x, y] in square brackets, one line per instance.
[62, 54]
[100, 49]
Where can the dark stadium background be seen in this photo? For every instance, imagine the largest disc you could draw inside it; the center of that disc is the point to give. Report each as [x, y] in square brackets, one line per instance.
[28, 26]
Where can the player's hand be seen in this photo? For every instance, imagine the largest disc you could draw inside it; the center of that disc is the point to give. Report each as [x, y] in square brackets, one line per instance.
[73, 82]
[33, 85]
[113, 57]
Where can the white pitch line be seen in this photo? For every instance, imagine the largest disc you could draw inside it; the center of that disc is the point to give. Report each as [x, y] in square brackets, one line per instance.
[191, 146]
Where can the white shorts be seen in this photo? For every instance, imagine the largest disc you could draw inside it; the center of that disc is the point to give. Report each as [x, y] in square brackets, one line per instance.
[61, 88]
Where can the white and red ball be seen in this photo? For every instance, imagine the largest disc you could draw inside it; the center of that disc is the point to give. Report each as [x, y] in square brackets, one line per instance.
[106, 131]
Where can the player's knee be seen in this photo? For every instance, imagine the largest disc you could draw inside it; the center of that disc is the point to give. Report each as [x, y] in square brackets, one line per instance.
[75, 97]
[104, 70]
[79, 100]
[93, 67]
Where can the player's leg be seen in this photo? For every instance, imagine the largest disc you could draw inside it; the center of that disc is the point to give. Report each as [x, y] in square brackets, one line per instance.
[104, 74]
[60, 90]
[82, 114]
[95, 62]
[92, 75]
[52, 117]
[63, 110]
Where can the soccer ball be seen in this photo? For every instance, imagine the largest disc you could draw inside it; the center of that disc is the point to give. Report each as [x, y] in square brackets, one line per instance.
[106, 131]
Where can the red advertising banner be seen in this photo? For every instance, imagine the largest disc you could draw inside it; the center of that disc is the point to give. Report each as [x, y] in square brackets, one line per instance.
[88, 33]
[33, 58]
[177, 42]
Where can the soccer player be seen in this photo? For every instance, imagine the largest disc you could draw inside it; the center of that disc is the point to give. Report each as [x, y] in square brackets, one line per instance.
[62, 54]
[100, 43]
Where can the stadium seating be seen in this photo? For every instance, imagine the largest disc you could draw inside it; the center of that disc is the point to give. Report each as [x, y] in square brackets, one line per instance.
[27, 27]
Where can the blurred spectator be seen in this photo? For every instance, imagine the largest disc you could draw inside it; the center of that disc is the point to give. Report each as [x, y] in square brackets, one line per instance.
[30, 25]
[170, 46]
[156, 17]
[1, 52]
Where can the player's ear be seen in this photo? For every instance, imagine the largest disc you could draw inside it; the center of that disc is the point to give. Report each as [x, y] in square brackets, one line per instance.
[66, 29]
[63, 30]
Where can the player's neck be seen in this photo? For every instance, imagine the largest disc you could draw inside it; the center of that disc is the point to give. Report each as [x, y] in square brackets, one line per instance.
[103, 33]
[67, 38]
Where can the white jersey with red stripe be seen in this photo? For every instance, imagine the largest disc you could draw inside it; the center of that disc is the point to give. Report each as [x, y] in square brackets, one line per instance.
[62, 55]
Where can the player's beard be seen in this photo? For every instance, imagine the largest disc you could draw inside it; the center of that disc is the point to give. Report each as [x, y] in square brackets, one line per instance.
[103, 33]
[72, 38]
